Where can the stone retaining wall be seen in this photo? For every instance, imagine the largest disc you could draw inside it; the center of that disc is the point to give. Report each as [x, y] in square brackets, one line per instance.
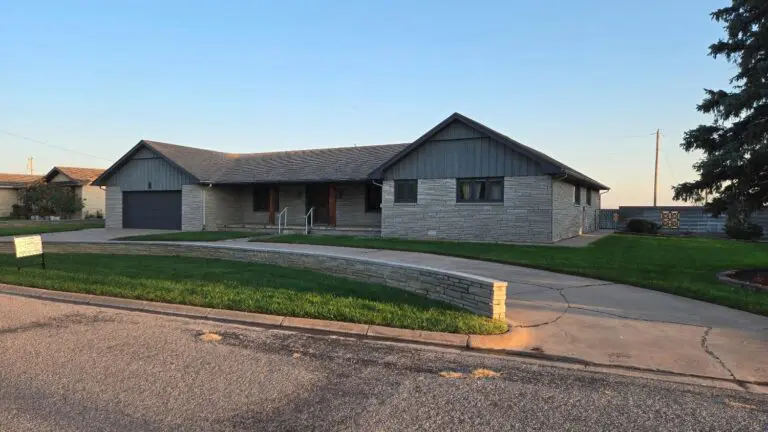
[480, 295]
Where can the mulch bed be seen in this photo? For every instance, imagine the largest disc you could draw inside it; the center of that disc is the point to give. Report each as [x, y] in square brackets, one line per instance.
[755, 276]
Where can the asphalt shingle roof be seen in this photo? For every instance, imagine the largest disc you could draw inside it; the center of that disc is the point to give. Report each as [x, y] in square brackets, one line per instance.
[78, 175]
[330, 164]
[319, 165]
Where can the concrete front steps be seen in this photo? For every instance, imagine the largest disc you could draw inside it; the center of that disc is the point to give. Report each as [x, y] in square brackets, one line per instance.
[300, 229]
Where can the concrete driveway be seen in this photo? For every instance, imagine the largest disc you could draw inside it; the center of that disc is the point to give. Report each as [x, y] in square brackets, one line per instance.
[608, 323]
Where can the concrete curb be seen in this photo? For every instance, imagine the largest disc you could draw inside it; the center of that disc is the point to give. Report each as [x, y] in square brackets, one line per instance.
[256, 319]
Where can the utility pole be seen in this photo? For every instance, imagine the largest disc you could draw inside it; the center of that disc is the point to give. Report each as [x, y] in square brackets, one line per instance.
[30, 165]
[656, 171]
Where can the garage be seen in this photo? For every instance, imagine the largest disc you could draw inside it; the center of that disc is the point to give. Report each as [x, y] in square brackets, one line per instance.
[152, 210]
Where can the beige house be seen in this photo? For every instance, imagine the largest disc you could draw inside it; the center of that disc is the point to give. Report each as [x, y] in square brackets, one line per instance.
[80, 179]
[10, 187]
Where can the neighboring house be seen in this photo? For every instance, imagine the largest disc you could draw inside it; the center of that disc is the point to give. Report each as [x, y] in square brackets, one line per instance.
[10, 190]
[459, 181]
[81, 181]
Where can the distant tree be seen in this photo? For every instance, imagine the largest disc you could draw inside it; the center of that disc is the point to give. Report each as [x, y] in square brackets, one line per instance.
[49, 199]
[733, 172]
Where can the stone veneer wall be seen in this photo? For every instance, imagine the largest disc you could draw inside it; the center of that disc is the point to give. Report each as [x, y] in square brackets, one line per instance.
[113, 208]
[570, 219]
[350, 207]
[524, 216]
[191, 208]
[479, 295]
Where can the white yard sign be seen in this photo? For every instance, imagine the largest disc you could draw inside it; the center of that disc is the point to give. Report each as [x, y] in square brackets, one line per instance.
[28, 246]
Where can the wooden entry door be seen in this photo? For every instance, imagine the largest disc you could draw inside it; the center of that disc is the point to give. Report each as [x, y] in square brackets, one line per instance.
[317, 196]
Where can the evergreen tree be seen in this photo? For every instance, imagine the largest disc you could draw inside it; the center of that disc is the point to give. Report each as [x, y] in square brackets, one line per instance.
[734, 169]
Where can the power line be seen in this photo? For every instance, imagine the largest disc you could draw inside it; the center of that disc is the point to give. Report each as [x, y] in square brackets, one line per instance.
[5, 132]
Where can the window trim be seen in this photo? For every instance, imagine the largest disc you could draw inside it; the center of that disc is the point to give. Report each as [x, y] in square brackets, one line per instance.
[368, 187]
[266, 202]
[487, 181]
[405, 182]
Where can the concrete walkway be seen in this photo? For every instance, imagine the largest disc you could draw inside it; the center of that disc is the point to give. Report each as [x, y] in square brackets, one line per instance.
[598, 321]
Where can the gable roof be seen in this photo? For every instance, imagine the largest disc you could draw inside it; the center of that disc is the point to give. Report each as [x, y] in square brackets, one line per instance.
[315, 165]
[318, 165]
[17, 180]
[81, 176]
[549, 165]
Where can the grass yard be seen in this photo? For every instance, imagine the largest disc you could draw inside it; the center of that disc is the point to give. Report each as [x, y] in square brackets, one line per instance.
[198, 236]
[23, 227]
[245, 287]
[681, 266]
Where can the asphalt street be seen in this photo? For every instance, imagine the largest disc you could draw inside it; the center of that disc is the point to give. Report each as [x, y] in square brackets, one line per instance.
[75, 368]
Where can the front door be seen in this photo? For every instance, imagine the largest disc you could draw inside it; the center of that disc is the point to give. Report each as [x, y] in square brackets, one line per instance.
[317, 197]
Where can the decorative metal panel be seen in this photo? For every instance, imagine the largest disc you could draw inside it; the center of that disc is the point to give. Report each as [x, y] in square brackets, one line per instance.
[670, 219]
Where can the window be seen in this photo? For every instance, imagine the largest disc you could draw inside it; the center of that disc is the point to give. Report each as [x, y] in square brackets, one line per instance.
[372, 198]
[480, 190]
[261, 198]
[589, 197]
[406, 191]
[577, 195]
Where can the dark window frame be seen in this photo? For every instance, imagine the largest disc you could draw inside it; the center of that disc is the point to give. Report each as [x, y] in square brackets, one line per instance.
[576, 195]
[372, 191]
[589, 197]
[261, 203]
[486, 181]
[405, 190]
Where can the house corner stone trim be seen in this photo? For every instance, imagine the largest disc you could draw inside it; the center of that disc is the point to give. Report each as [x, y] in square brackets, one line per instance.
[113, 212]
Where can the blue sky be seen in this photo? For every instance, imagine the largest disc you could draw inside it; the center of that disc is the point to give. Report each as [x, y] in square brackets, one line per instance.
[587, 82]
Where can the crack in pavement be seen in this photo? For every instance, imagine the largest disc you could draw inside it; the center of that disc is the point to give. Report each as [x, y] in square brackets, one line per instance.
[557, 318]
[635, 318]
[61, 321]
[712, 354]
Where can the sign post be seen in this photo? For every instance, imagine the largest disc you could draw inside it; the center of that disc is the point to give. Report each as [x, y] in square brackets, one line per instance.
[27, 246]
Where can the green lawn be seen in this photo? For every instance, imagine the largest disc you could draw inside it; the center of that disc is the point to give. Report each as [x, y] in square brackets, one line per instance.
[245, 287]
[202, 236]
[22, 227]
[682, 266]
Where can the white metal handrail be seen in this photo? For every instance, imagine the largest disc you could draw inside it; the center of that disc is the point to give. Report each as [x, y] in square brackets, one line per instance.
[309, 220]
[280, 216]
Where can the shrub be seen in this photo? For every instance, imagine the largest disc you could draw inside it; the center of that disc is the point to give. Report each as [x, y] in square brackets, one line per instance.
[49, 199]
[19, 212]
[642, 226]
[742, 230]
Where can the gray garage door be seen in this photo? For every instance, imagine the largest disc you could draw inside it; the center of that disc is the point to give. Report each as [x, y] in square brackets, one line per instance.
[152, 210]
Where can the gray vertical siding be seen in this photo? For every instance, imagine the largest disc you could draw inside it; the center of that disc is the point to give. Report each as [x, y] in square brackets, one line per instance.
[459, 151]
[146, 166]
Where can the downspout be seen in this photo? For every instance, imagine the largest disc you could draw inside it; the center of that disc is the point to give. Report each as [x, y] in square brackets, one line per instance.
[210, 185]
